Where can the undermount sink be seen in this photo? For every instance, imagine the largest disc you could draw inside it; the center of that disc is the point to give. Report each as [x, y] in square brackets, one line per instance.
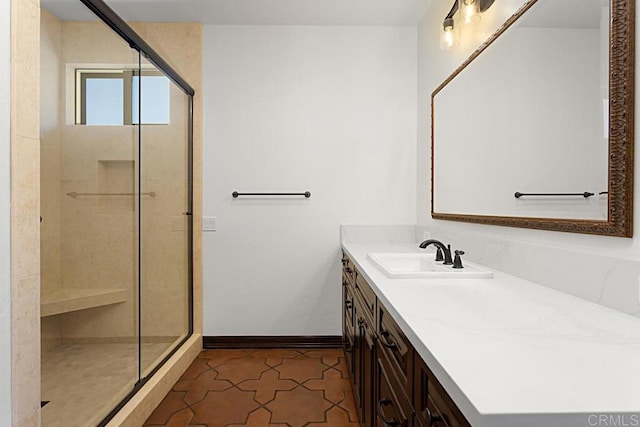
[423, 266]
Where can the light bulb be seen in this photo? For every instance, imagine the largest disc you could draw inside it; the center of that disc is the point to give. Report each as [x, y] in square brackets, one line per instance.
[449, 37]
[470, 11]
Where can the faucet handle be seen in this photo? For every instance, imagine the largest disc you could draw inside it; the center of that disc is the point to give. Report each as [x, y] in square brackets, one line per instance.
[439, 256]
[457, 261]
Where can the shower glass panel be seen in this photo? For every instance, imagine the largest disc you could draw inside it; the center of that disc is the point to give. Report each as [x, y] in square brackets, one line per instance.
[90, 207]
[164, 239]
[116, 185]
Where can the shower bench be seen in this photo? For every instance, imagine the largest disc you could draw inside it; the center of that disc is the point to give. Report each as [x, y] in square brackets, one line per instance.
[66, 300]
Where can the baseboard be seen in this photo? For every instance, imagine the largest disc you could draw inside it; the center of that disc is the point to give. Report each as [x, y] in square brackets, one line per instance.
[317, 341]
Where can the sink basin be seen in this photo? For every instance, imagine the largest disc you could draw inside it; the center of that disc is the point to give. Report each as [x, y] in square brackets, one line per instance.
[423, 266]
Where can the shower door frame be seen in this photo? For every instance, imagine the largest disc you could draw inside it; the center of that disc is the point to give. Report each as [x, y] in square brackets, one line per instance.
[117, 24]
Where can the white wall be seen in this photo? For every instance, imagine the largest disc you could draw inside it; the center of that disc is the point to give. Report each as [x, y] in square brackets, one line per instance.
[5, 215]
[325, 109]
[598, 268]
[434, 66]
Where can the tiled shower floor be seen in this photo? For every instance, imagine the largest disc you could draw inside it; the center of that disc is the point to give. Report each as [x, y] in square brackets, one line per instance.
[83, 382]
[261, 388]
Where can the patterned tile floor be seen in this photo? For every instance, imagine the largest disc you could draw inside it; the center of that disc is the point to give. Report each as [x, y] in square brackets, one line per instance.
[261, 388]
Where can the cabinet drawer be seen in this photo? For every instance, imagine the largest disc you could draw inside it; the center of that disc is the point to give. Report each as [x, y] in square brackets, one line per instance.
[367, 295]
[433, 405]
[396, 347]
[392, 406]
[348, 269]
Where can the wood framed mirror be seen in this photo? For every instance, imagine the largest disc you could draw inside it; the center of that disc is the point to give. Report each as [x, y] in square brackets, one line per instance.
[536, 128]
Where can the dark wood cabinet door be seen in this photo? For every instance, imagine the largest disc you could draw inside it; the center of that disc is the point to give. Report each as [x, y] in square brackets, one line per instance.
[433, 406]
[348, 324]
[392, 408]
[364, 375]
[356, 379]
[368, 374]
[348, 310]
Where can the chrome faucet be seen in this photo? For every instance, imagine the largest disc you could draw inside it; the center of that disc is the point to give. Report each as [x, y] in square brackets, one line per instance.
[446, 250]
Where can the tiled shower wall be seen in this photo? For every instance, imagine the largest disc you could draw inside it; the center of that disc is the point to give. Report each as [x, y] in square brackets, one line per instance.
[88, 243]
[184, 41]
[25, 207]
[50, 90]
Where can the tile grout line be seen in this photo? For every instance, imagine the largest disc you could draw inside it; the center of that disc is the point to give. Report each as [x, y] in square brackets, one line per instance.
[235, 383]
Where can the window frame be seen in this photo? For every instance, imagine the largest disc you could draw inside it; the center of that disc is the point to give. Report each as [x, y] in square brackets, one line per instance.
[126, 75]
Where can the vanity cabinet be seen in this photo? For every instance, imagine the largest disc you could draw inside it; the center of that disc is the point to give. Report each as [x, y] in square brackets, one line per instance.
[393, 407]
[391, 383]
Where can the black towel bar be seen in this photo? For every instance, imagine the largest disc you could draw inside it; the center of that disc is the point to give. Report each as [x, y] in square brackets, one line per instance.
[586, 194]
[306, 194]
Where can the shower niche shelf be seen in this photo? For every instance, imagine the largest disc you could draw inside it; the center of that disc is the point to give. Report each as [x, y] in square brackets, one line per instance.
[66, 300]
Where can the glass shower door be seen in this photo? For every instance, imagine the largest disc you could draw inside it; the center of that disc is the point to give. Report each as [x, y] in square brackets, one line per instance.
[116, 215]
[163, 114]
[90, 222]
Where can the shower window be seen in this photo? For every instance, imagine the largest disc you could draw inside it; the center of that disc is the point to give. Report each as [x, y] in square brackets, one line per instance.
[112, 97]
[153, 88]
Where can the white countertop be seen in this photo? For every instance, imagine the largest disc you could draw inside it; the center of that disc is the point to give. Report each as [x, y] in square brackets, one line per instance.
[512, 353]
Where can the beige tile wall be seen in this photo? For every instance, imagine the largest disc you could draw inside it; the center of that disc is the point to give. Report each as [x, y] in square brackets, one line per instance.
[25, 211]
[50, 116]
[98, 248]
[181, 45]
[50, 92]
[77, 231]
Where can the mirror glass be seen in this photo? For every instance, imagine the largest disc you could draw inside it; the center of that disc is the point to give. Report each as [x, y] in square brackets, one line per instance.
[529, 114]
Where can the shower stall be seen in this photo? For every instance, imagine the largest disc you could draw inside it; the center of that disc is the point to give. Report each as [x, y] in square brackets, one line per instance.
[116, 222]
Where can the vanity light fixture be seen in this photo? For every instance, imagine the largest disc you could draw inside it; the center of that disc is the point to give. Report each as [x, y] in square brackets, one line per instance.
[470, 11]
[449, 37]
